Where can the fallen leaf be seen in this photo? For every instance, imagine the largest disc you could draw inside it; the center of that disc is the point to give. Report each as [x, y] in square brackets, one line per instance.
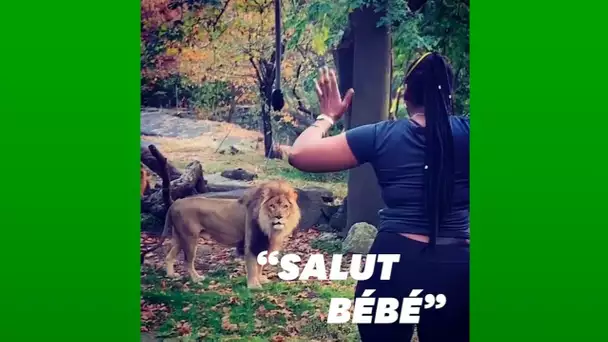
[183, 328]
[147, 315]
[227, 325]
[261, 311]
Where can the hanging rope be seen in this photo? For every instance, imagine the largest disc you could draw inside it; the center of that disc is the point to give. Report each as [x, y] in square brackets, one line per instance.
[277, 99]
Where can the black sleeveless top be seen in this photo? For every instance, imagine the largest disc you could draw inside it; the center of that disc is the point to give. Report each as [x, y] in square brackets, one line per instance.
[395, 149]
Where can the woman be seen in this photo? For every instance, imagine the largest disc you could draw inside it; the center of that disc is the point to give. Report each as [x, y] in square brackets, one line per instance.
[422, 166]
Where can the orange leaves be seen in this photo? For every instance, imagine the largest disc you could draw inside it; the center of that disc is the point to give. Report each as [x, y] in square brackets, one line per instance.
[183, 328]
[226, 324]
[220, 50]
[152, 314]
[172, 51]
[287, 118]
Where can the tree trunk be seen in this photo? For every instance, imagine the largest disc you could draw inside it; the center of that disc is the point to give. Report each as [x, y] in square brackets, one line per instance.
[267, 131]
[233, 99]
[343, 58]
[370, 104]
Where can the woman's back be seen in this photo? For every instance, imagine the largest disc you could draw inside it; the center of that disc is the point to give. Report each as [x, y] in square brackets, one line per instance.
[397, 155]
[423, 172]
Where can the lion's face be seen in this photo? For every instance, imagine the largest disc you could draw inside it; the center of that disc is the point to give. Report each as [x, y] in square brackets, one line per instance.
[279, 205]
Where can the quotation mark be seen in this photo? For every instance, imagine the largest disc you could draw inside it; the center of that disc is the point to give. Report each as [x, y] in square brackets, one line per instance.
[431, 300]
[272, 259]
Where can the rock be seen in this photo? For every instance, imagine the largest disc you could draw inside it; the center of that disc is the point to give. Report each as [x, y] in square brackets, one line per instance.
[239, 174]
[328, 212]
[234, 150]
[217, 183]
[324, 228]
[150, 223]
[359, 239]
[148, 337]
[311, 204]
[338, 220]
[325, 194]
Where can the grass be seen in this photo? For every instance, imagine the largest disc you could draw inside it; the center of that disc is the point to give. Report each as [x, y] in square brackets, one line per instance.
[222, 308]
[329, 246]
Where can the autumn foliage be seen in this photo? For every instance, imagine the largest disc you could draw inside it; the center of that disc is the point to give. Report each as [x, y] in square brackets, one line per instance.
[196, 44]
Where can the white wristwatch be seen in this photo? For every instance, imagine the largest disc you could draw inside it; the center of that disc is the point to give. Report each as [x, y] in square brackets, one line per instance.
[326, 118]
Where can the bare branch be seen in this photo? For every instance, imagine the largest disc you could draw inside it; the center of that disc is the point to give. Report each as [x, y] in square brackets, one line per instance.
[257, 71]
[217, 19]
[301, 106]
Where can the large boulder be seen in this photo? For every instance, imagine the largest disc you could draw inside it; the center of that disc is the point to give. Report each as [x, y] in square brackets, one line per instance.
[217, 183]
[239, 174]
[359, 239]
[324, 194]
[151, 224]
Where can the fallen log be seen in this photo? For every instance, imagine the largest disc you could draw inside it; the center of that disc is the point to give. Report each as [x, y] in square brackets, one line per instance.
[190, 183]
[312, 200]
[152, 162]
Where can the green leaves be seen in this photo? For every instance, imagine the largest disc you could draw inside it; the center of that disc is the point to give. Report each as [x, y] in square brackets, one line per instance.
[319, 40]
[441, 25]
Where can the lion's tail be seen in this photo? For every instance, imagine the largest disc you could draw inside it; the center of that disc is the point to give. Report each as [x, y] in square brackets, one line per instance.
[167, 231]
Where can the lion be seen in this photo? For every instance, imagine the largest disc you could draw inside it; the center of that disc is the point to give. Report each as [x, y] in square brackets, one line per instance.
[259, 221]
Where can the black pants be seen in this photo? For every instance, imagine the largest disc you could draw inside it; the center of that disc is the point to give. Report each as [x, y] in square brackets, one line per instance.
[442, 271]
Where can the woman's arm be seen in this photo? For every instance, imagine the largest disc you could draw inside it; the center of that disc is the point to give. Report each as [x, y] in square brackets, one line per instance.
[312, 152]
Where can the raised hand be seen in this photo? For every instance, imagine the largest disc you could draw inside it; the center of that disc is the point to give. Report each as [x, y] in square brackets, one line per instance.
[330, 100]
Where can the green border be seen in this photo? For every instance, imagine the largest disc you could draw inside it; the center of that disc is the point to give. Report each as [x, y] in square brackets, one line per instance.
[539, 179]
[70, 91]
[69, 85]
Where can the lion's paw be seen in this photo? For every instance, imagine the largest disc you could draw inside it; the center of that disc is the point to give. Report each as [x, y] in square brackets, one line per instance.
[254, 286]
